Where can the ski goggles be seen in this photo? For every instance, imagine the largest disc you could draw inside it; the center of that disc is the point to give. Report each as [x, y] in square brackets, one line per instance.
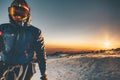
[19, 11]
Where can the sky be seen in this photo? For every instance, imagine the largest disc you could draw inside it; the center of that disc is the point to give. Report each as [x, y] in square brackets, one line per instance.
[78, 24]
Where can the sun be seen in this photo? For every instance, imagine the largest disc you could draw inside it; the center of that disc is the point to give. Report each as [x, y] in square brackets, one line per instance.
[107, 44]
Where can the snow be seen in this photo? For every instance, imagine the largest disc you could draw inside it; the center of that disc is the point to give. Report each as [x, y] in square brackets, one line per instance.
[83, 67]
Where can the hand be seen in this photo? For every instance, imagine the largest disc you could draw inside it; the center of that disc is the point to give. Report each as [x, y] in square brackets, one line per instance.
[44, 77]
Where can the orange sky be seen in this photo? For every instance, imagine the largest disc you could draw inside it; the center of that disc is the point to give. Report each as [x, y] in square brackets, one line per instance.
[78, 46]
[104, 38]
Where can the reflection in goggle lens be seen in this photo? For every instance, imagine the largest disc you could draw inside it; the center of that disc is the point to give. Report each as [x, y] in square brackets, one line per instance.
[19, 11]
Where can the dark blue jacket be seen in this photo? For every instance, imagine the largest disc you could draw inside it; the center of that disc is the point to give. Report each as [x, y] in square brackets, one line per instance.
[19, 43]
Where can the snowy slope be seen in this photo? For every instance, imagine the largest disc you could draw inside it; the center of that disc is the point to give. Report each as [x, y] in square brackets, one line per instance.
[83, 67]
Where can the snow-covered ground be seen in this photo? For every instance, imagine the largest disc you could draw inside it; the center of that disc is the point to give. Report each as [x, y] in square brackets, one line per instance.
[83, 67]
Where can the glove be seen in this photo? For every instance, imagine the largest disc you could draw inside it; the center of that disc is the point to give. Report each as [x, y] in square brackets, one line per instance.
[44, 77]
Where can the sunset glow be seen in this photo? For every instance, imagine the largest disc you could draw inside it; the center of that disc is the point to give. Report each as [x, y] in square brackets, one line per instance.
[107, 44]
[74, 25]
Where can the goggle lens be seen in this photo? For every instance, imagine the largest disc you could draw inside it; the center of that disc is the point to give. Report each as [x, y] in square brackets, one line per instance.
[19, 11]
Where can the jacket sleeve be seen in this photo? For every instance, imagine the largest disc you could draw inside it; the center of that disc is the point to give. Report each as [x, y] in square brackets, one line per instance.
[40, 53]
[1, 40]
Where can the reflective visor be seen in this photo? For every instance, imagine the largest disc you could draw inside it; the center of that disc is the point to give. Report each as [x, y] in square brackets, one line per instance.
[19, 11]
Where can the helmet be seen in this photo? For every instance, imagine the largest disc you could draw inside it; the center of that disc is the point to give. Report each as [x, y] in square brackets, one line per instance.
[19, 10]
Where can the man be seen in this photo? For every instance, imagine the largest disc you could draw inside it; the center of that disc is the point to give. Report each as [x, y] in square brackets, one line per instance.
[19, 41]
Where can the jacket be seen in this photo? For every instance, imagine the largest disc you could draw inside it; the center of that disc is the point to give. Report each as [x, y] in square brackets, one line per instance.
[18, 44]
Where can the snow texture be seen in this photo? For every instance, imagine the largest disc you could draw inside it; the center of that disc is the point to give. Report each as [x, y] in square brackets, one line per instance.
[82, 67]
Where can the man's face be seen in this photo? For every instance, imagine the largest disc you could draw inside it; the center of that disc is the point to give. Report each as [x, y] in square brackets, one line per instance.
[18, 14]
